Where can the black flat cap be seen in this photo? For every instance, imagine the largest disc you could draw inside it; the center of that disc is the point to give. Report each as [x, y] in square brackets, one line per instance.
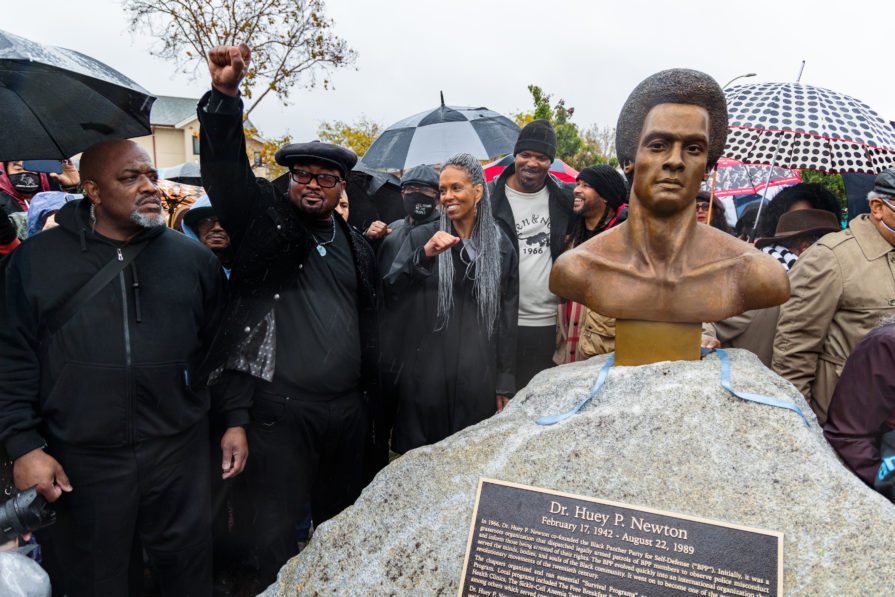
[884, 184]
[315, 151]
[425, 175]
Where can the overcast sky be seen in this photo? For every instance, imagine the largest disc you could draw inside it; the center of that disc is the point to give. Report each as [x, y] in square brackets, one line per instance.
[481, 53]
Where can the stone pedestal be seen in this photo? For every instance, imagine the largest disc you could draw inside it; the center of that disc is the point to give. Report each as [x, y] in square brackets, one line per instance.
[665, 436]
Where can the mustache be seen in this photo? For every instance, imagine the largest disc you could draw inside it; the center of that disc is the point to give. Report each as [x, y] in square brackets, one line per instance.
[155, 198]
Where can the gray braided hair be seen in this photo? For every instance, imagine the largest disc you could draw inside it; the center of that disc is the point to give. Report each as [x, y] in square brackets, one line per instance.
[485, 268]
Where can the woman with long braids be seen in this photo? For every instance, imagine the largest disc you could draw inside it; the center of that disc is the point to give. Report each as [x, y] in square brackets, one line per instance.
[458, 369]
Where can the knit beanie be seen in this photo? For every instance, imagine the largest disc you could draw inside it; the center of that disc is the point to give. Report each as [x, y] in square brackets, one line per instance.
[537, 135]
[607, 182]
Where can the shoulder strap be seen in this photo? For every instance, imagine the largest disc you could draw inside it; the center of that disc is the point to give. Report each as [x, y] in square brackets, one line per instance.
[99, 281]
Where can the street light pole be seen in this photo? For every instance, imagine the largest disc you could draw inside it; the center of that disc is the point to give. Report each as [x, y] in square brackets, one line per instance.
[739, 77]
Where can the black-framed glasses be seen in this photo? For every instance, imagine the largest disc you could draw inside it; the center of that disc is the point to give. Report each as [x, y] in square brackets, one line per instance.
[702, 206]
[327, 181]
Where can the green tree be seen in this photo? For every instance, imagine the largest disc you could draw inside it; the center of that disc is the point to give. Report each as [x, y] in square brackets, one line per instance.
[292, 41]
[833, 182]
[577, 149]
[356, 136]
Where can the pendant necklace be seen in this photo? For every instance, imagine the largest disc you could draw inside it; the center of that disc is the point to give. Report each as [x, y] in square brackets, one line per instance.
[321, 247]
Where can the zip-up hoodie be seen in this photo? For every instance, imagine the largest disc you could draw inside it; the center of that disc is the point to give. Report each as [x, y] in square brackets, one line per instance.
[122, 369]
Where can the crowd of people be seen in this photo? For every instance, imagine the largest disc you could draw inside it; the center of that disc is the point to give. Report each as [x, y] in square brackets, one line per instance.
[202, 399]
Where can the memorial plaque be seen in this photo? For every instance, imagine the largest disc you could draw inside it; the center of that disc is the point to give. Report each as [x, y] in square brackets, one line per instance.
[530, 541]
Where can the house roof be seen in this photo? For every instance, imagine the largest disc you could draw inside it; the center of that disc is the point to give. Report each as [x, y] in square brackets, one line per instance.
[171, 111]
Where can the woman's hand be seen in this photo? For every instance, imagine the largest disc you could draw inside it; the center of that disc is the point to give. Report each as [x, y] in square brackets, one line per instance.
[440, 242]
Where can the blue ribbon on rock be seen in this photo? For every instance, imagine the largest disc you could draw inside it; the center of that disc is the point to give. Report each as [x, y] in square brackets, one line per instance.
[725, 383]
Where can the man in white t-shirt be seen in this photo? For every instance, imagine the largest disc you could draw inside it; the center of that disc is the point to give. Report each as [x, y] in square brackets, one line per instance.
[534, 209]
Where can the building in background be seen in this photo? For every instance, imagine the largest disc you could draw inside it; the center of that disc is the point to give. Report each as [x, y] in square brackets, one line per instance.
[175, 135]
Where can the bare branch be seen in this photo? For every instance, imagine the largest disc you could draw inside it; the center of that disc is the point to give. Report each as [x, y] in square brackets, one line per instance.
[292, 41]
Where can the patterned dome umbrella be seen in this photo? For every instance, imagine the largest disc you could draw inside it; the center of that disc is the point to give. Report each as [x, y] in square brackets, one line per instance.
[176, 194]
[800, 126]
[431, 137]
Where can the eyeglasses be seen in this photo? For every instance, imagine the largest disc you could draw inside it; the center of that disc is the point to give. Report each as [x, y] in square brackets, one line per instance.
[327, 181]
[427, 191]
[210, 220]
[702, 206]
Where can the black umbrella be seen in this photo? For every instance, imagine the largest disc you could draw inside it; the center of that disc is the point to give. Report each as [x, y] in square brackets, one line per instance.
[57, 102]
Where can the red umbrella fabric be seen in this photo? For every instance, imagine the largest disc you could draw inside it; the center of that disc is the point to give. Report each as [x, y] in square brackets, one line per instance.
[558, 168]
[736, 178]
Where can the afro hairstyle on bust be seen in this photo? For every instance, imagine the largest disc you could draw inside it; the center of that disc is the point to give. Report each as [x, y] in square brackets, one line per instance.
[673, 86]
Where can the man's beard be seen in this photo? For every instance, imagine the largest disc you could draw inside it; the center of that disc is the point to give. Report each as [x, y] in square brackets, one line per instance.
[147, 221]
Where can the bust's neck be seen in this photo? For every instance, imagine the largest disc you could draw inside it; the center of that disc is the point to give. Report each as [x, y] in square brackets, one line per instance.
[660, 243]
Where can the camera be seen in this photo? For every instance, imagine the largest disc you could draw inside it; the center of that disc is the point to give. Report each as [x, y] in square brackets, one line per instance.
[24, 513]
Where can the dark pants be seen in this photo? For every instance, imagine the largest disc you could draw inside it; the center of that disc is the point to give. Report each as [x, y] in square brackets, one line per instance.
[534, 352]
[301, 448]
[155, 494]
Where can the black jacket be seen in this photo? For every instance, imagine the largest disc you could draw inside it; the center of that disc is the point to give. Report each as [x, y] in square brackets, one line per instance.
[271, 244]
[559, 205]
[449, 378]
[125, 366]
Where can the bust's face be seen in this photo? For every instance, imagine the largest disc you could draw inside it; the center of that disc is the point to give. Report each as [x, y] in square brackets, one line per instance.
[671, 158]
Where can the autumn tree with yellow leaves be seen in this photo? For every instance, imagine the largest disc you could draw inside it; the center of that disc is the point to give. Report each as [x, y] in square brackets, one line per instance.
[356, 136]
[292, 41]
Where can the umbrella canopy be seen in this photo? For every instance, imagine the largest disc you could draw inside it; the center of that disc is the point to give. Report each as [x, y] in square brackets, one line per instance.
[377, 178]
[187, 172]
[175, 195]
[431, 137]
[736, 178]
[558, 168]
[57, 102]
[800, 126]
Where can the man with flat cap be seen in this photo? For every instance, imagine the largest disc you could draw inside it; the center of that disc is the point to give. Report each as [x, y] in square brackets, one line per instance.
[843, 286]
[301, 321]
[534, 209]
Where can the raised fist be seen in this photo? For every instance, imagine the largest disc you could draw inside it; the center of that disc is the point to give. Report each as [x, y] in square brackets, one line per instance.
[228, 65]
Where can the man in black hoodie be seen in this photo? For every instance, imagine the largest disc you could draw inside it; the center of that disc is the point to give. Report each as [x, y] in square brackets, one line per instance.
[103, 406]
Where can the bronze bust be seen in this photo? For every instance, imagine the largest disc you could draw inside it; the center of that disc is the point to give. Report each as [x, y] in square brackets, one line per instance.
[661, 265]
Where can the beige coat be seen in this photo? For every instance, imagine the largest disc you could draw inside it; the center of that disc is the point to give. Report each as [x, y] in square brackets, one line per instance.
[842, 287]
[752, 330]
[596, 335]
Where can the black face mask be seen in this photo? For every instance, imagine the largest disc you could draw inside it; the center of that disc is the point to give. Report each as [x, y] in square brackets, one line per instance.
[27, 183]
[418, 205]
